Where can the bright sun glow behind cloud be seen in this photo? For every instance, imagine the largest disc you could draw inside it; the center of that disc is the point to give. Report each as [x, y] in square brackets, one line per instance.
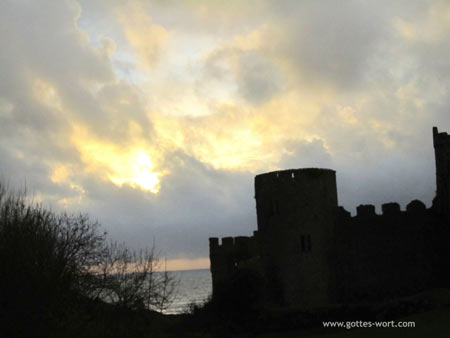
[131, 165]
[138, 172]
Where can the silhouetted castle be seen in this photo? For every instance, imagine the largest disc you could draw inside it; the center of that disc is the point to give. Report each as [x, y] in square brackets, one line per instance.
[310, 252]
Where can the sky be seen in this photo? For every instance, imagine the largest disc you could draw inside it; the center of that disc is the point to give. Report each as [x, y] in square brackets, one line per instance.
[154, 116]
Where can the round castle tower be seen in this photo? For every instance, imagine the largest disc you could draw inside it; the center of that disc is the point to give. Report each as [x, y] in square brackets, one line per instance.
[296, 192]
[296, 216]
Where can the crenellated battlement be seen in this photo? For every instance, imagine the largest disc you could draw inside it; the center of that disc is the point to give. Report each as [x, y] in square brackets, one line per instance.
[365, 211]
[232, 245]
[415, 207]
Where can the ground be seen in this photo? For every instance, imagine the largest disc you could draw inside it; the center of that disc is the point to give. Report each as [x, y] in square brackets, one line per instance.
[434, 323]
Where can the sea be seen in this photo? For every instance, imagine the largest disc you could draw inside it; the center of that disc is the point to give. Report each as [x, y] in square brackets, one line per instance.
[194, 287]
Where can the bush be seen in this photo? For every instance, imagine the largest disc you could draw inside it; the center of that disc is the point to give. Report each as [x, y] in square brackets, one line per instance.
[52, 265]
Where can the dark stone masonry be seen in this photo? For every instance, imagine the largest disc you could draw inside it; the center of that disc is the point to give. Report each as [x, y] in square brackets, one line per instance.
[309, 252]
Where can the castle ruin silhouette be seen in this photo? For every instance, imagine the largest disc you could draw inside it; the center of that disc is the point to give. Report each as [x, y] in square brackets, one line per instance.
[310, 252]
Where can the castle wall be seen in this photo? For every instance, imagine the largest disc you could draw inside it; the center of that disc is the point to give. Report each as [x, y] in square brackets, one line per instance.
[230, 255]
[392, 254]
[310, 252]
[295, 211]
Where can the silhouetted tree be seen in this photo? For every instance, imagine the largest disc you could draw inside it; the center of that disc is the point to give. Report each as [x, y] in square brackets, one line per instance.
[50, 263]
[134, 279]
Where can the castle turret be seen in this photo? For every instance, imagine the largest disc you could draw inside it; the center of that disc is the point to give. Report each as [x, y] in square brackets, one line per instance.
[442, 154]
[296, 212]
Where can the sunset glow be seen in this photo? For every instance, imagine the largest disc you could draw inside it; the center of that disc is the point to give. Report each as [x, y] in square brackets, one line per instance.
[138, 173]
[131, 165]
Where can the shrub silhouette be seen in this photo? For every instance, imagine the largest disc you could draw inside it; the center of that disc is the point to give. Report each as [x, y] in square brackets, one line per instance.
[56, 271]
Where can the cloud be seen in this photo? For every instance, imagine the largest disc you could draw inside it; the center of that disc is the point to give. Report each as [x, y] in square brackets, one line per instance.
[102, 102]
[195, 202]
[304, 154]
[146, 38]
[242, 62]
[326, 43]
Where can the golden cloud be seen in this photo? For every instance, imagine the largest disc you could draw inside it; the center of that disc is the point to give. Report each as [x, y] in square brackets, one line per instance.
[241, 137]
[147, 38]
[133, 164]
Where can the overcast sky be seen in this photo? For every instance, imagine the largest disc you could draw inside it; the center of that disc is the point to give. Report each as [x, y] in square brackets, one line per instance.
[154, 116]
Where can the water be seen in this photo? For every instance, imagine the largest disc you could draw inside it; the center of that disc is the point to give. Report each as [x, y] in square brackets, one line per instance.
[194, 287]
